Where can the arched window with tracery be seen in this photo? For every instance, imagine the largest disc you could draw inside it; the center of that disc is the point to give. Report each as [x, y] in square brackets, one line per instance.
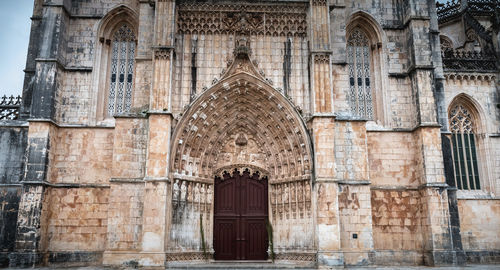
[446, 43]
[121, 71]
[463, 128]
[359, 65]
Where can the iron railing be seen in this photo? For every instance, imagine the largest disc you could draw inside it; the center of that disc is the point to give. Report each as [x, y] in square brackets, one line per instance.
[9, 107]
[452, 9]
[454, 60]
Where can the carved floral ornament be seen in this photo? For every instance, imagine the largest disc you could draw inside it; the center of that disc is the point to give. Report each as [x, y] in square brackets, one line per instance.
[253, 19]
[240, 168]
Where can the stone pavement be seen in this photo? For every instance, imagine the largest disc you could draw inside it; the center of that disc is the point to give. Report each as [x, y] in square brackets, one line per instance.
[239, 267]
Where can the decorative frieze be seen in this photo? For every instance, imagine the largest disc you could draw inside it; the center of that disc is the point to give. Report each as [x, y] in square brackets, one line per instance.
[274, 20]
[309, 257]
[187, 256]
[262, 173]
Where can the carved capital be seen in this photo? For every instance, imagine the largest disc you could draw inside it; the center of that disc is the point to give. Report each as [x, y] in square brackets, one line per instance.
[321, 58]
[319, 3]
[163, 53]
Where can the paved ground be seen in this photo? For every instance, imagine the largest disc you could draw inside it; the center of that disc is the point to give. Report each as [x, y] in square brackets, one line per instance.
[469, 267]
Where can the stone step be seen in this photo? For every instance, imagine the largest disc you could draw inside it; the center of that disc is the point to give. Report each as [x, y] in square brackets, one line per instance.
[239, 265]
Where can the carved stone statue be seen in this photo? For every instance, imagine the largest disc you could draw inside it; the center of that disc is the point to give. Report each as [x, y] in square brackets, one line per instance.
[176, 190]
[293, 194]
[307, 192]
[203, 193]
[189, 192]
[183, 191]
[209, 194]
[285, 193]
[196, 193]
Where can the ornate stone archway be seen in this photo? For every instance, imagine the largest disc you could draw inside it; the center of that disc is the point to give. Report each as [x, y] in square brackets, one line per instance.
[242, 120]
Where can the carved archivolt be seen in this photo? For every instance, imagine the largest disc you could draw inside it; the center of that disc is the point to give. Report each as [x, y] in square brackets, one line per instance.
[276, 20]
[205, 138]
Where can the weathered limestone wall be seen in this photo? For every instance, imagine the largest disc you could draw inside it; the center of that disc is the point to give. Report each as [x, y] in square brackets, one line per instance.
[82, 156]
[124, 230]
[479, 229]
[129, 148]
[213, 52]
[9, 201]
[391, 158]
[75, 98]
[77, 222]
[206, 40]
[351, 162]
[397, 234]
[378, 194]
[355, 214]
[13, 142]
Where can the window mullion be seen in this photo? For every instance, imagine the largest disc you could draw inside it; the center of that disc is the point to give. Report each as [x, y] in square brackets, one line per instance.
[464, 154]
[472, 161]
[454, 159]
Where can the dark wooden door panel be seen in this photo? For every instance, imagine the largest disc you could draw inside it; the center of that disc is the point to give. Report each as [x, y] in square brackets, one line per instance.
[256, 239]
[256, 198]
[225, 243]
[240, 215]
[226, 203]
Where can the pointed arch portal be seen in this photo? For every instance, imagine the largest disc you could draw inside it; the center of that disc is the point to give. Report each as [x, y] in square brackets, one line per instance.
[241, 122]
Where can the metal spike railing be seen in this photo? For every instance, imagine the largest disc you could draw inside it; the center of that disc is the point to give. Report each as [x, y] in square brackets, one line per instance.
[457, 60]
[9, 107]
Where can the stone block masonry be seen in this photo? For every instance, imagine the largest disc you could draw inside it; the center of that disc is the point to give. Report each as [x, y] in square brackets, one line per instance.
[341, 106]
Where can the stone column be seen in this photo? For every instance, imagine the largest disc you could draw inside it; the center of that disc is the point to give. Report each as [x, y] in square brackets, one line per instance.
[31, 220]
[323, 132]
[157, 191]
[352, 175]
[435, 215]
[126, 195]
[157, 186]
[326, 190]
[43, 88]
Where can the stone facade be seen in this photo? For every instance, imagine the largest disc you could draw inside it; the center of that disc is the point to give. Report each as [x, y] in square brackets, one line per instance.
[346, 107]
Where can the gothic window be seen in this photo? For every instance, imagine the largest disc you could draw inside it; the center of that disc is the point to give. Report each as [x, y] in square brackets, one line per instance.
[121, 71]
[446, 43]
[359, 65]
[464, 148]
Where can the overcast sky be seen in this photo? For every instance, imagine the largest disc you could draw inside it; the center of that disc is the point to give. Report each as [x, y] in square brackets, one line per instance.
[15, 26]
[14, 36]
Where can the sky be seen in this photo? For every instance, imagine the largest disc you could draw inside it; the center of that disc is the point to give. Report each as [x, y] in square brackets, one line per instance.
[15, 27]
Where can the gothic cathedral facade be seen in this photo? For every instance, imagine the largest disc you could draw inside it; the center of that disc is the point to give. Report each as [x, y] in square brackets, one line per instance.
[318, 133]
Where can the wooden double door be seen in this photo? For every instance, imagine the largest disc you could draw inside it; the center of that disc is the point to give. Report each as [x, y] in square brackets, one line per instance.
[240, 215]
